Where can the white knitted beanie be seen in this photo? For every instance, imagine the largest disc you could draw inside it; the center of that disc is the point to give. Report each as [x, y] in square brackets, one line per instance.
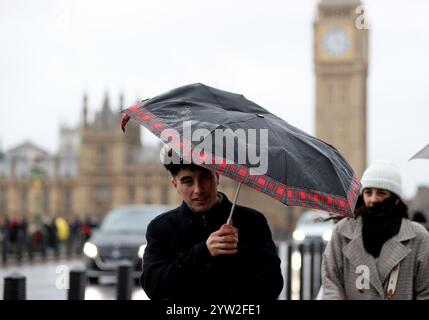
[382, 174]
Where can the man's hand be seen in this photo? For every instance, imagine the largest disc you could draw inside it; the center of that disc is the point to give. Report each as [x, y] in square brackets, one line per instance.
[223, 241]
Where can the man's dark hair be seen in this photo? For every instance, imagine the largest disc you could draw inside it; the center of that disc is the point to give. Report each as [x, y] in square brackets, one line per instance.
[174, 169]
[177, 164]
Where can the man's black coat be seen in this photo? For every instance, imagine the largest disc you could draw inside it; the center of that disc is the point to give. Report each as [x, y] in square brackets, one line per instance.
[177, 264]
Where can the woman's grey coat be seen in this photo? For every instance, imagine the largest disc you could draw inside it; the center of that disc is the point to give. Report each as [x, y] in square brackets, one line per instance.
[349, 272]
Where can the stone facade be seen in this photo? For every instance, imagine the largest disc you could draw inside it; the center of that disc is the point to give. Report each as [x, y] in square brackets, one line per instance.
[98, 167]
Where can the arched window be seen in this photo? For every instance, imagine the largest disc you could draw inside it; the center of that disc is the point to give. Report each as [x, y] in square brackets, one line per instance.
[45, 199]
[68, 200]
[103, 193]
[24, 199]
[103, 157]
[3, 200]
[148, 194]
[131, 194]
[165, 190]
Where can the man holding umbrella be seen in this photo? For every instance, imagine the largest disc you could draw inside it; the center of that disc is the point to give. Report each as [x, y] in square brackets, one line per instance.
[195, 251]
[192, 254]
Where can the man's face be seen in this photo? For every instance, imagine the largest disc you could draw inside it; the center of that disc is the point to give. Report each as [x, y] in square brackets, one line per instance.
[198, 188]
[374, 195]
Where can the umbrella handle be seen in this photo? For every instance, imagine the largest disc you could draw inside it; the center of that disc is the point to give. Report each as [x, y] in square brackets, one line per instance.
[229, 221]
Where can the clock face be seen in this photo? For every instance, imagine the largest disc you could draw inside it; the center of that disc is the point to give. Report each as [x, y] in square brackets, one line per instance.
[336, 41]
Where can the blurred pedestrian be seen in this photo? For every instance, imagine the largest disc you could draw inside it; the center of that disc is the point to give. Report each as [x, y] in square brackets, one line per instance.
[380, 254]
[4, 233]
[23, 240]
[63, 232]
[12, 228]
[75, 235]
[50, 232]
[86, 229]
[420, 217]
[35, 233]
[4, 223]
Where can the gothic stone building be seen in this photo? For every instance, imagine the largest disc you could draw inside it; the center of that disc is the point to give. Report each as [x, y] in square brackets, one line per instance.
[96, 168]
[99, 167]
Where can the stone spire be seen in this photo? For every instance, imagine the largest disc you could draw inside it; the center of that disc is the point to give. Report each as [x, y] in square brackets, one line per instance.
[105, 118]
[106, 104]
[85, 110]
[340, 3]
[121, 101]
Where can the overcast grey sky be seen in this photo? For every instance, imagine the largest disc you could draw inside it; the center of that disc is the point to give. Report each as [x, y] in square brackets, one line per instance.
[52, 52]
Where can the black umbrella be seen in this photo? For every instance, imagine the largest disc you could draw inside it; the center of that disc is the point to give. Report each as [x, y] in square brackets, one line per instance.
[202, 123]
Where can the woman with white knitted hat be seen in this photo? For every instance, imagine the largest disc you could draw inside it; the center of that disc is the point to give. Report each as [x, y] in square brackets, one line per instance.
[380, 254]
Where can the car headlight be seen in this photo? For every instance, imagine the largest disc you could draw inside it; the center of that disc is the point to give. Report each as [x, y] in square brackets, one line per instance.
[298, 235]
[141, 251]
[90, 250]
[327, 235]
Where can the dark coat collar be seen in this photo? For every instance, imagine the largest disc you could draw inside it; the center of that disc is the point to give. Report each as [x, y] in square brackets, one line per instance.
[217, 214]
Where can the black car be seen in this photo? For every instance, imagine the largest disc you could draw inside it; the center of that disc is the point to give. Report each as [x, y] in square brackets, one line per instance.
[121, 236]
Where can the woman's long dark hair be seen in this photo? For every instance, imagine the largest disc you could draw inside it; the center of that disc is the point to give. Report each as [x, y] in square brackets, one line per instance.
[401, 208]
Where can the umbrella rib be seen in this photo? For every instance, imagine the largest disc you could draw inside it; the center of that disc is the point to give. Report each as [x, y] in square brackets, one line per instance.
[220, 103]
[229, 221]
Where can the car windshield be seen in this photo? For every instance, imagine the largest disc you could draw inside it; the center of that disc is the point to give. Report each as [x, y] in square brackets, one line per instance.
[130, 219]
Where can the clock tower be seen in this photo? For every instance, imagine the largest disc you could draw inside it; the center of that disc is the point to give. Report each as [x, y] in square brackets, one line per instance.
[341, 65]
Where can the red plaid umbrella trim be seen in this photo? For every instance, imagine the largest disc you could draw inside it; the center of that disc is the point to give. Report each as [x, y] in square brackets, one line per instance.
[288, 195]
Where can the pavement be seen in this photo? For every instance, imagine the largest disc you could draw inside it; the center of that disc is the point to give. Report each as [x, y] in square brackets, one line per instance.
[49, 281]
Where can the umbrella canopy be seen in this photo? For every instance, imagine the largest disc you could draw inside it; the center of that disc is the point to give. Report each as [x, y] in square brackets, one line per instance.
[422, 154]
[267, 153]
